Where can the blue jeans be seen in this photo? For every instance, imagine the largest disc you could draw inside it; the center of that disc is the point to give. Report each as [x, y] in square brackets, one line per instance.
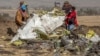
[70, 27]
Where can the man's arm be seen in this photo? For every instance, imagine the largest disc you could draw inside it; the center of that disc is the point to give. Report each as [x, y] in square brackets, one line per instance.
[19, 18]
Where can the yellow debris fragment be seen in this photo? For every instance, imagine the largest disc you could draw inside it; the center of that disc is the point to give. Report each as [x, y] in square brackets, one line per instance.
[90, 34]
[17, 43]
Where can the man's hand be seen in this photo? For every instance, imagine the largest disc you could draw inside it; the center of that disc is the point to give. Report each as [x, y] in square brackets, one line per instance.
[24, 23]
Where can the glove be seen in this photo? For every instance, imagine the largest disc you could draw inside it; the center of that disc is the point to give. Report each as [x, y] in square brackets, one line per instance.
[24, 22]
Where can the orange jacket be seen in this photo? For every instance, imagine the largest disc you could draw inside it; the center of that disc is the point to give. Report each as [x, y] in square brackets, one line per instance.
[20, 17]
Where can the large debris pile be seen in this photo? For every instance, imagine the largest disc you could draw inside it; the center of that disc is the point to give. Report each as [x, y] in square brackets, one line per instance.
[44, 32]
[63, 42]
[45, 23]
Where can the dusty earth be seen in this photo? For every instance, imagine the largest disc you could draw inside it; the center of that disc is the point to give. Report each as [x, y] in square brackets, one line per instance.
[8, 30]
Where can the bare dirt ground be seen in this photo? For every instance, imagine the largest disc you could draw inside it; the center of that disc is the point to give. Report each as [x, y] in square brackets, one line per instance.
[8, 30]
[89, 20]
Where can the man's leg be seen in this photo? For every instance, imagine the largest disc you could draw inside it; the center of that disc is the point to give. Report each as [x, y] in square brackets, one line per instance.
[71, 27]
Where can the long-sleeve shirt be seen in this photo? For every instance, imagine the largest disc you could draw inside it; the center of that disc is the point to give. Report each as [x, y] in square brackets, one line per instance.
[71, 15]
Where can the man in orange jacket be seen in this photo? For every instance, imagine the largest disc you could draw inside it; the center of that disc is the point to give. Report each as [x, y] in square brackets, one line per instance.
[21, 14]
[71, 20]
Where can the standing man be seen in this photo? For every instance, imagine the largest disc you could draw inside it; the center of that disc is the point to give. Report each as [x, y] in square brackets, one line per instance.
[21, 14]
[71, 20]
[70, 17]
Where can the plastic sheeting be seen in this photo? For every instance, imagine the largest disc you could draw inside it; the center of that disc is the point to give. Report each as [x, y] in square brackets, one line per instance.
[46, 24]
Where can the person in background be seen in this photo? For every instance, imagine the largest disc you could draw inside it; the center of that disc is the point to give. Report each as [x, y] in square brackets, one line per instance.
[71, 20]
[66, 7]
[21, 14]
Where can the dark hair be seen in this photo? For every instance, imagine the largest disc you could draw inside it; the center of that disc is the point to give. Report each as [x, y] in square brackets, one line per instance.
[66, 2]
[73, 8]
[21, 3]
